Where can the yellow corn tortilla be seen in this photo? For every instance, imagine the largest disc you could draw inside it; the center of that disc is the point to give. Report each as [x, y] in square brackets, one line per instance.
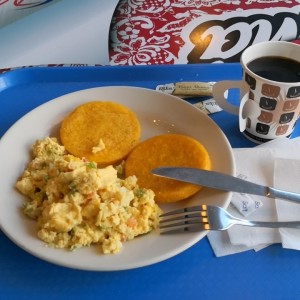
[167, 150]
[103, 132]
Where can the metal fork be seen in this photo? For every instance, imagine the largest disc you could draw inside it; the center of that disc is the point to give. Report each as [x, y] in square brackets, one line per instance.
[207, 217]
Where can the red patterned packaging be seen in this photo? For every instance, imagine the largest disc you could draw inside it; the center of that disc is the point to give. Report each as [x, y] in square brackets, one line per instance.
[197, 31]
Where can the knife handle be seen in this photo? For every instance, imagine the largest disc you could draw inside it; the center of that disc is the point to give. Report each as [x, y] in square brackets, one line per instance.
[276, 193]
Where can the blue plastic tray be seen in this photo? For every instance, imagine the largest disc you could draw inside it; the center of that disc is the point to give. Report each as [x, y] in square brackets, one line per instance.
[272, 273]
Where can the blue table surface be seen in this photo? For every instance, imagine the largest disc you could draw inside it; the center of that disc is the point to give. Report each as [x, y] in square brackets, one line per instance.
[272, 273]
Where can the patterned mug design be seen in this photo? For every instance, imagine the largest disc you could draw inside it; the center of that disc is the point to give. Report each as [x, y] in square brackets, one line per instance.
[265, 117]
[290, 105]
[282, 129]
[270, 90]
[279, 109]
[262, 128]
[267, 103]
[293, 92]
[251, 81]
[286, 118]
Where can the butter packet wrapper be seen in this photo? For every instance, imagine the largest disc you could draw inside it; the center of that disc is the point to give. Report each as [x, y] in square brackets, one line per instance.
[199, 91]
[245, 204]
[187, 89]
[208, 106]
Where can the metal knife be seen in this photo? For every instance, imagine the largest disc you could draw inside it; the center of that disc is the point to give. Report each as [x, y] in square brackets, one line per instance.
[223, 182]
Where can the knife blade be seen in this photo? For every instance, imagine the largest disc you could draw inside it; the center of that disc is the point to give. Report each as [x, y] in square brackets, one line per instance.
[223, 182]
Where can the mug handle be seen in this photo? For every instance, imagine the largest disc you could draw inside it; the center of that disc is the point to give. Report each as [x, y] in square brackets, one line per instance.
[219, 89]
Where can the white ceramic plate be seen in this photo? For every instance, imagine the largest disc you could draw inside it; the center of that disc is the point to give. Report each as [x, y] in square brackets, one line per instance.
[158, 113]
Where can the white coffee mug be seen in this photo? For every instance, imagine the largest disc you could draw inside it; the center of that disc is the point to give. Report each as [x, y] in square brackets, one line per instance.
[269, 91]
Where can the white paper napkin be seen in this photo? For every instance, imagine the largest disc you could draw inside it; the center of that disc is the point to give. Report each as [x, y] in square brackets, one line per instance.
[258, 165]
[287, 177]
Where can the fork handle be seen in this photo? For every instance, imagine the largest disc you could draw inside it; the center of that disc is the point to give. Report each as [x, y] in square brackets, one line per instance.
[291, 224]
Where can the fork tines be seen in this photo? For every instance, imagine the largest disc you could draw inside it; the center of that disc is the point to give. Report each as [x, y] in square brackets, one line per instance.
[192, 218]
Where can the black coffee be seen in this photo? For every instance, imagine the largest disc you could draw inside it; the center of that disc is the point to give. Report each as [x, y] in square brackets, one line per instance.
[276, 68]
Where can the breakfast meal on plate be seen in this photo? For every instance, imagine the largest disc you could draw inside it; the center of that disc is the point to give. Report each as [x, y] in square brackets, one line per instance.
[77, 204]
[96, 186]
[103, 132]
[167, 150]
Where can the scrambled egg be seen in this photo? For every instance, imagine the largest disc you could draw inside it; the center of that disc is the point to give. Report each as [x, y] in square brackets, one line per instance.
[77, 204]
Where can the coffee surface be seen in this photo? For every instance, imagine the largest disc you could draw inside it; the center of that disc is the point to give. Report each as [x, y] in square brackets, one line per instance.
[275, 68]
